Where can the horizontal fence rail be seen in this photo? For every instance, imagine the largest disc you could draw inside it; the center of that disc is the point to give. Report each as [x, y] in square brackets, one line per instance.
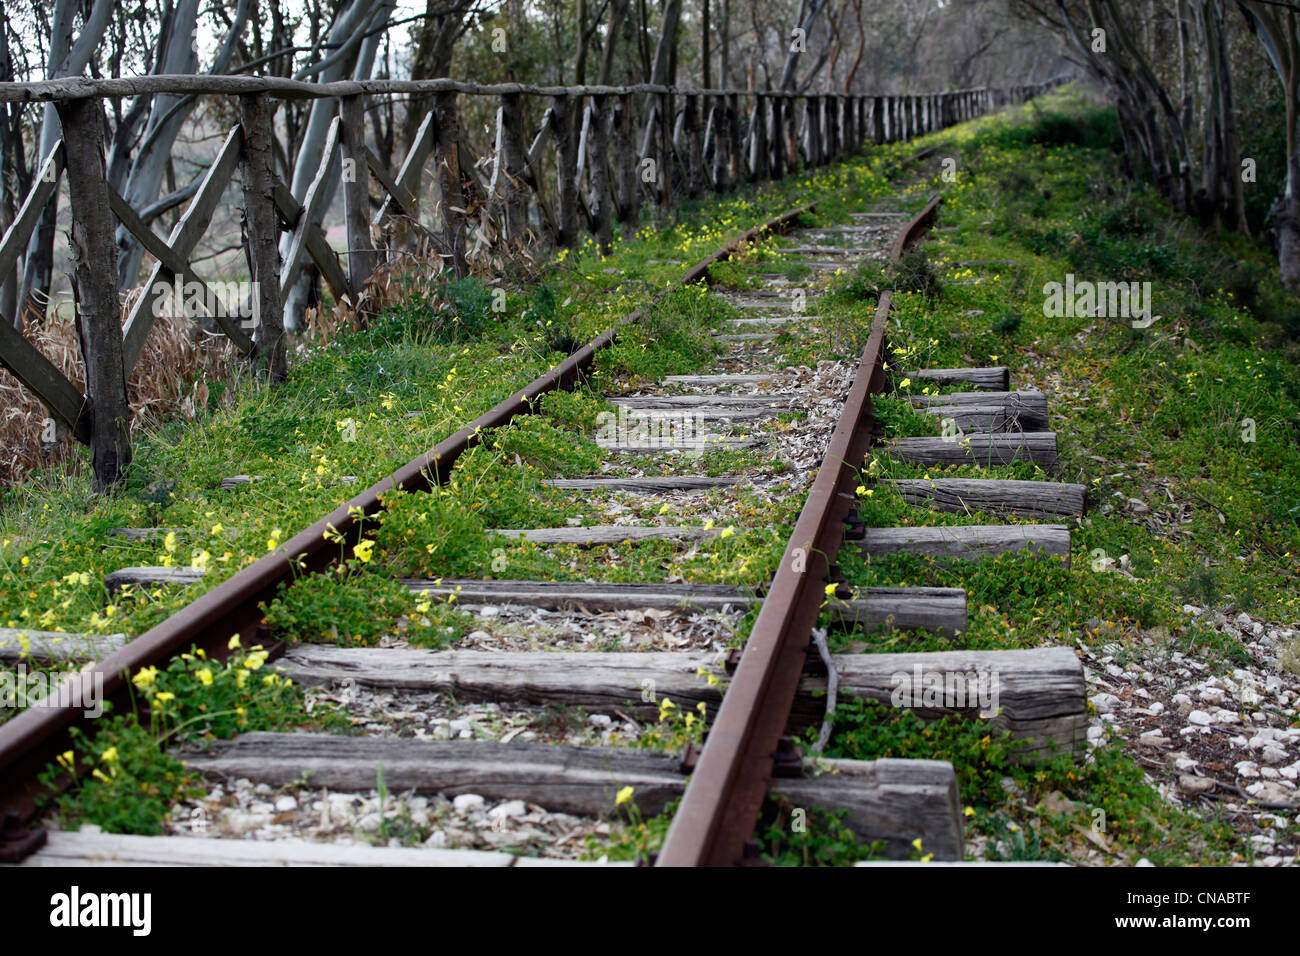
[70, 88]
[596, 154]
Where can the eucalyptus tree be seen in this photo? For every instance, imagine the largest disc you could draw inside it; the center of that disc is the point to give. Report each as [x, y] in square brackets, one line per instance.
[66, 58]
[354, 40]
[1278, 29]
[178, 54]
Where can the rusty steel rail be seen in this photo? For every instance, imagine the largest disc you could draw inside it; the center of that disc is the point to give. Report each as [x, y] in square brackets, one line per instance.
[723, 800]
[30, 741]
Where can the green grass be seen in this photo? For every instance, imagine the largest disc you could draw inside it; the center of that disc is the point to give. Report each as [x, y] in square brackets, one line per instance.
[1037, 810]
[1197, 418]
[368, 402]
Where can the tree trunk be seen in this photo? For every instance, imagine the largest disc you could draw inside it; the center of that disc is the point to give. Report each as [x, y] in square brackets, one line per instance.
[65, 59]
[167, 114]
[1288, 220]
[346, 26]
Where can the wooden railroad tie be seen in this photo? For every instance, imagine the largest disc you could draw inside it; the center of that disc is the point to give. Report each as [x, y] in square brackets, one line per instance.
[697, 401]
[941, 610]
[644, 485]
[772, 321]
[722, 381]
[996, 378]
[590, 535]
[667, 445]
[1027, 499]
[978, 448]
[987, 411]
[1040, 693]
[967, 542]
[895, 801]
[83, 848]
[53, 647]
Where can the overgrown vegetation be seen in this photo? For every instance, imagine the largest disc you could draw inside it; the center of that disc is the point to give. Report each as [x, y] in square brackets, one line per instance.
[125, 778]
[1045, 809]
[1184, 432]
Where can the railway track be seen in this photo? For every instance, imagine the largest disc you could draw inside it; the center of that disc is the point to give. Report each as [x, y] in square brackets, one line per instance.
[644, 654]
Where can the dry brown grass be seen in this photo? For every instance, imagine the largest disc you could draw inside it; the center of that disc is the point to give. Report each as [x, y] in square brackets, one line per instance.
[171, 378]
[180, 360]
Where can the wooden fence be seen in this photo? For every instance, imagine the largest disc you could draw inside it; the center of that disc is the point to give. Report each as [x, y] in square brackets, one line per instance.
[613, 147]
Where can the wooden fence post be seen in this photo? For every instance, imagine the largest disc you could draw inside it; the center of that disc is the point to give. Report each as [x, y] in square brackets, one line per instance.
[721, 143]
[758, 157]
[665, 171]
[362, 256]
[825, 134]
[819, 112]
[263, 227]
[629, 190]
[694, 151]
[830, 110]
[446, 154]
[93, 252]
[599, 166]
[776, 168]
[843, 122]
[812, 131]
[566, 207]
[736, 158]
[513, 168]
